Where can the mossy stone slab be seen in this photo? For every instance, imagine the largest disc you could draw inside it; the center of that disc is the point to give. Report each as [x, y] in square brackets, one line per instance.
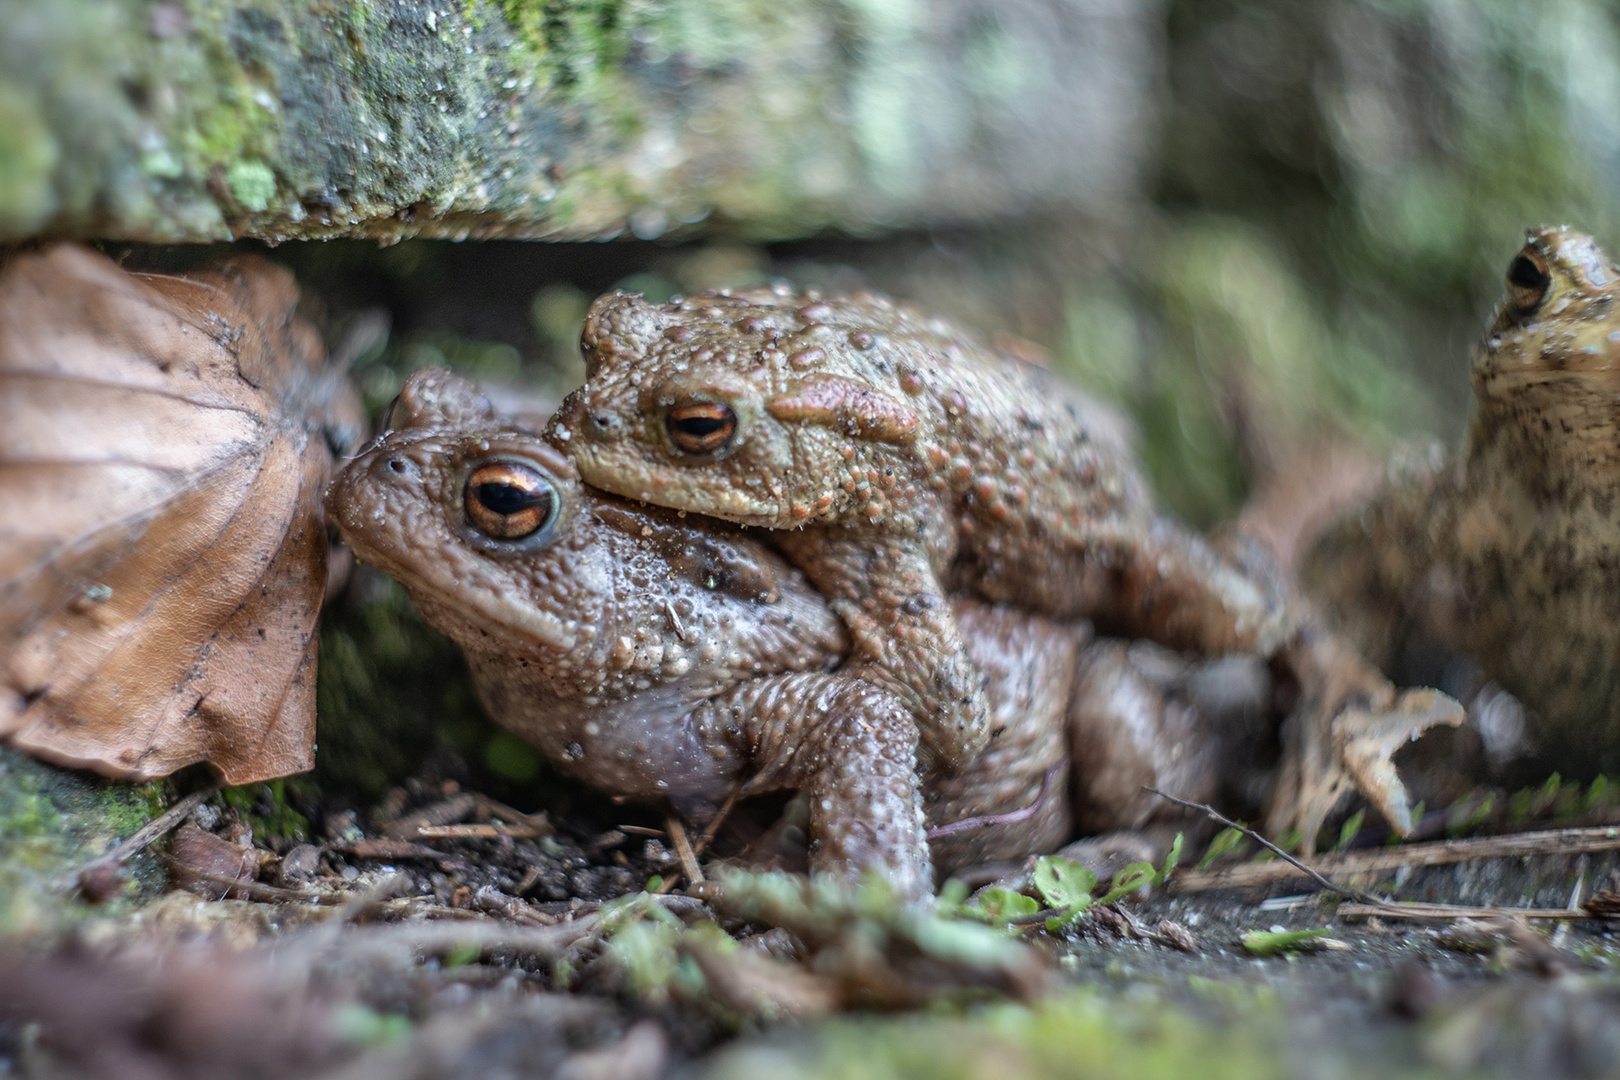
[200, 120]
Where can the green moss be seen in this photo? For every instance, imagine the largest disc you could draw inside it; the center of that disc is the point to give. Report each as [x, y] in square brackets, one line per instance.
[1077, 1035]
[53, 821]
[267, 812]
[28, 156]
[252, 183]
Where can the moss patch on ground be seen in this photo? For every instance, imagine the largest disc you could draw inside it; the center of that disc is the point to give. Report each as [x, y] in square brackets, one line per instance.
[53, 821]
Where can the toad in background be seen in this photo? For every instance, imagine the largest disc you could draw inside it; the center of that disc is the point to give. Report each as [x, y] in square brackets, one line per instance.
[1509, 553]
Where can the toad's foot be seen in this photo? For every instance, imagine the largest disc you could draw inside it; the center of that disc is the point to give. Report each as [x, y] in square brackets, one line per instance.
[1343, 737]
[1366, 742]
[852, 748]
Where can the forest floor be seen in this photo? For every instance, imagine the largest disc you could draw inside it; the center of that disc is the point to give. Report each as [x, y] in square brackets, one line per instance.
[441, 933]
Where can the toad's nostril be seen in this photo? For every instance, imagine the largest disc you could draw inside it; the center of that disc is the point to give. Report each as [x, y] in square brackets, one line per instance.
[602, 421]
[400, 466]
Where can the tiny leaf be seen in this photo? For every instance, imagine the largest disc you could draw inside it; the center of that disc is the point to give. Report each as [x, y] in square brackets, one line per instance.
[1001, 905]
[1352, 826]
[1171, 860]
[1224, 841]
[1063, 883]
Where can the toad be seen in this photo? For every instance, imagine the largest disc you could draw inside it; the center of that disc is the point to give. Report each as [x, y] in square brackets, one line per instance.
[662, 657]
[1508, 553]
[899, 457]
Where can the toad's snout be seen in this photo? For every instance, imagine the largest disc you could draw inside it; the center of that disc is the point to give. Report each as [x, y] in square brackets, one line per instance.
[588, 416]
[602, 425]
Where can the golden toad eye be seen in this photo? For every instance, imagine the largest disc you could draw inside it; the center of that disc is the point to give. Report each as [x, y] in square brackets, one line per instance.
[702, 427]
[1527, 281]
[508, 502]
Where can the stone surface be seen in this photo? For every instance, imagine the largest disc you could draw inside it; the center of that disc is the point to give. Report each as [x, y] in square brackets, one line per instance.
[186, 120]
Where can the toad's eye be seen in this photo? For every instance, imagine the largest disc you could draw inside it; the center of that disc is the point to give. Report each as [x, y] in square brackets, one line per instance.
[1527, 281]
[508, 502]
[703, 427]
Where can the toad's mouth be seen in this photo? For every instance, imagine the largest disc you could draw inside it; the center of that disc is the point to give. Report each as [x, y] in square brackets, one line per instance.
[515, 627]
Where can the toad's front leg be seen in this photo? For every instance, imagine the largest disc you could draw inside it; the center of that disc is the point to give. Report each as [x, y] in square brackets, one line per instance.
[905, 639]
[852, 748]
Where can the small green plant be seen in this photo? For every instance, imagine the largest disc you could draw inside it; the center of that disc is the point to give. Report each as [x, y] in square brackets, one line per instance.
[1068, 890]
[264, 807]
[1351, 827]
[1225, 840]
[1278, 942]
[1004, 905]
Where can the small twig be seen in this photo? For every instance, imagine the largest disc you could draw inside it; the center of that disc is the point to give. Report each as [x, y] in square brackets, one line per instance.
[390, 849]
[1433, 853]
[139, 839]
[446, 811]
[641, 830]
[683, 848]
[487, 935]
[254, 890]
[494, 808]
[1210, 811]
[703, 841]
[1012, 817]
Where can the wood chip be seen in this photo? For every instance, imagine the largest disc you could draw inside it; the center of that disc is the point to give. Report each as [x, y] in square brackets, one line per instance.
[683, 849]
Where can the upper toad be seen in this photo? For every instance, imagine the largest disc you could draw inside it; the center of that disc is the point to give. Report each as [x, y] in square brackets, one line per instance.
[894, 450]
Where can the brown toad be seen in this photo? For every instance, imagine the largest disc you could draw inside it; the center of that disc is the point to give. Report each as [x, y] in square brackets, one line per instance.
[657, 657]
[1511, 552]
[899, 457]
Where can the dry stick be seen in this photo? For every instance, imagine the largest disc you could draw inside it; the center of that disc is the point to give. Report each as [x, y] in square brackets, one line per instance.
[1367, 904]
[683, 848]
[1433, 853]
[719, 819]
[140, 838]
[253, 890]
[1414, 910]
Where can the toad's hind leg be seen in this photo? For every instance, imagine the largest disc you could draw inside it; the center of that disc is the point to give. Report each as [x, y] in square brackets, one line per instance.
[1178, 589]
[852, 748]
[905, 636]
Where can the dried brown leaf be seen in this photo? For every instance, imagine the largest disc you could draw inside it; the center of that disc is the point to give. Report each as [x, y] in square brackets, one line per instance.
[164, 442]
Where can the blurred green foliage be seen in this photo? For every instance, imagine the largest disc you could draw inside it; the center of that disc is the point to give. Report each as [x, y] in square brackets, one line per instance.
[1340, 186]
